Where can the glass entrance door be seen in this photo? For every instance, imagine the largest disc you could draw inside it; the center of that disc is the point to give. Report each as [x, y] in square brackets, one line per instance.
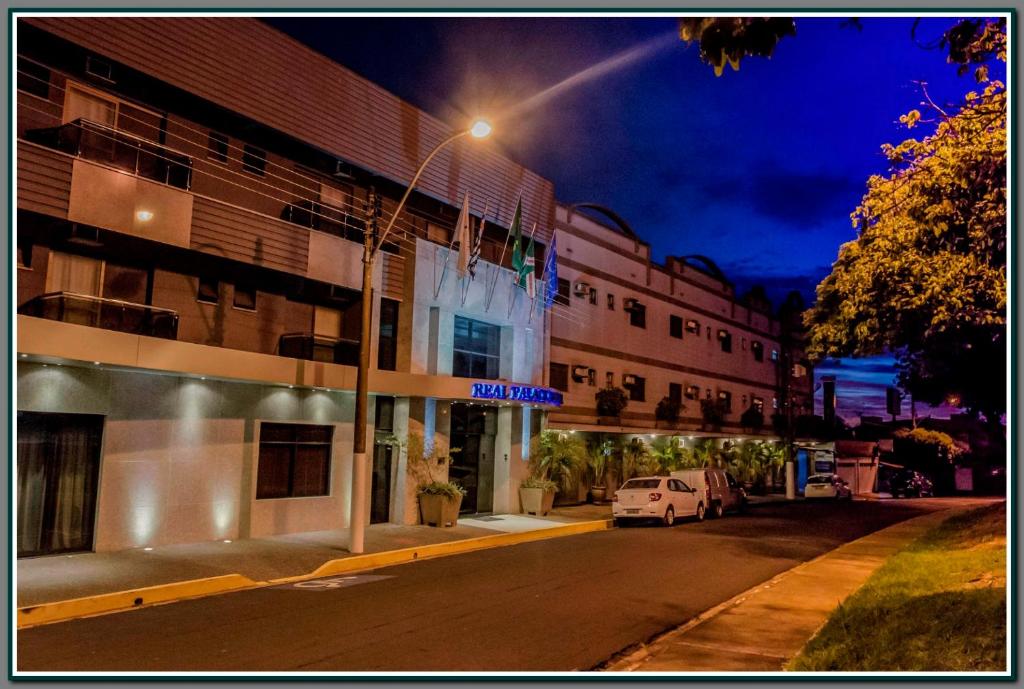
[58, 477]
[380, 478]
[473, 429]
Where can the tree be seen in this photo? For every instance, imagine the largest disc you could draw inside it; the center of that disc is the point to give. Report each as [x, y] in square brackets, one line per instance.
[730, 39]
[926, 277]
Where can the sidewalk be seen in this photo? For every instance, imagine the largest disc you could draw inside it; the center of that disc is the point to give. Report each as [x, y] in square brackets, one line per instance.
[762, 628]
[50, 579]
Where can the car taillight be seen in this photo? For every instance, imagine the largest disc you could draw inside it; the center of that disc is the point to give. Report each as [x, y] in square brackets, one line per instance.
[654, 497]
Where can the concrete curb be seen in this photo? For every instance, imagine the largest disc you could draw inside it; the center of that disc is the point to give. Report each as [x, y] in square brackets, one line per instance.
[132, 599]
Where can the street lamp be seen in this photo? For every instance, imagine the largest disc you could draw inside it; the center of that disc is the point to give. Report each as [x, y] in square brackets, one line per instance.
[371, 246]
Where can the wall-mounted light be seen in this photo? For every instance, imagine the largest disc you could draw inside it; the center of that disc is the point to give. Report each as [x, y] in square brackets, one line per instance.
[144, 216]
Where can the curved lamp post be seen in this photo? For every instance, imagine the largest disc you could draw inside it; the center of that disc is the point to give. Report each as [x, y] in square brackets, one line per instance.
[371, 246]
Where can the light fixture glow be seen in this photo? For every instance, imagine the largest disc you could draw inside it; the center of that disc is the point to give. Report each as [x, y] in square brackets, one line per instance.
[480, 129]
[144, 216]
[227, 540]
[147, 549]
[23, 355]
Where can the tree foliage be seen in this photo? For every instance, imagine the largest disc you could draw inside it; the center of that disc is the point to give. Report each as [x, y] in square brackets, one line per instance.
[926, 276]
[730, 39]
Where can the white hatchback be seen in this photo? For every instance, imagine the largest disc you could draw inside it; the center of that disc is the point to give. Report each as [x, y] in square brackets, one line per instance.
[656, 497]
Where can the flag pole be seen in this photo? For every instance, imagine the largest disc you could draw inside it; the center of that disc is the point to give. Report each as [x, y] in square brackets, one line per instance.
[515, 281]
[478, 244]
[533, 305]
[489, 295]
[444, 271]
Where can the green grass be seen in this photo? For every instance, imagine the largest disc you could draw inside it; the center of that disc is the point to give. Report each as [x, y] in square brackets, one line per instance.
[938, 605]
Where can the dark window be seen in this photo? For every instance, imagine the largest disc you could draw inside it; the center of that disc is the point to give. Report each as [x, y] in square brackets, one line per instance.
[387, 347]
[209, 290]
[294, 461]
[24, 253]
[637, 389]
[593, 296]
[564, 286]
[692, 392]
[675, 327]
[98, 68]
[217, 147]
[775, 355]
[558, 376]
[477, 349]
[611, 302]
[725, 399]
[675, 392]
[693, 327]
[758, 349]
[245, 297]
[725, 338]
[638, 315]
[33, 78]
[254, 160]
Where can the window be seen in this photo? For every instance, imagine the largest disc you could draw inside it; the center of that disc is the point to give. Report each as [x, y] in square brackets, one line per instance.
[254, 160]
[558, 376]
[294, 460]
[675, 392]
[387, 343]
[33, 78]
[564, 286]
[217, 147]
[758, 350]
[725, 339]
[758, 404]
[636, 389]
[209, 290]
[692, 392]
[98, 68]
[593, 296]
[709, 332]
[775, 355]
[743, 343]
[609, 379]
[675, 327]
[24, 253]
[638, 316]
[438, 234]
[245, 297]
[75, 274]
[477, 349]
[611, 302]
[692, 327]
[775, 402]
[725, 399]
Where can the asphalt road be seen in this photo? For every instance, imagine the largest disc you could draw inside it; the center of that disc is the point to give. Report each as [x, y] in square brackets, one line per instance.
[561, 604]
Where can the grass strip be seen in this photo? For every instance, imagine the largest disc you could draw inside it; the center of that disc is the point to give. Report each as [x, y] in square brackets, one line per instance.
[937, 605]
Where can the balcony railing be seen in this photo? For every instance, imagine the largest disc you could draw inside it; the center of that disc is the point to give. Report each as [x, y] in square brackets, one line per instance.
[332, 350]
[109, 146]
[325, 218]
[99, 312]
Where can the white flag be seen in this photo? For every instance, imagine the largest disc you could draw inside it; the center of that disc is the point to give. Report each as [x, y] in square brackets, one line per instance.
[463, 235]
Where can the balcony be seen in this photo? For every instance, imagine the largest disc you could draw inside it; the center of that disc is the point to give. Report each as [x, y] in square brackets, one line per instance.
[332, 350]
[99, 312]
[99, 143]
[325, 218]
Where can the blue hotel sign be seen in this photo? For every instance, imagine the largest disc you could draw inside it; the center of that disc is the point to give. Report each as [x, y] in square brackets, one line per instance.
[516, 393]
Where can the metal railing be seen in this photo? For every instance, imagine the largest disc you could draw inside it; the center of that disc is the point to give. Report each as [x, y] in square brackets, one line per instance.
[325, 218]
[109, 146]
[100, 312]
[332, 350]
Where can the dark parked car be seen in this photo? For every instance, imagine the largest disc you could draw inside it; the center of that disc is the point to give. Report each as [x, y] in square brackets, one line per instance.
[910, 484]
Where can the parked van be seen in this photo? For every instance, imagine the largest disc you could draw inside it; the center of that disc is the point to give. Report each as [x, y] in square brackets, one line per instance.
[721, 491]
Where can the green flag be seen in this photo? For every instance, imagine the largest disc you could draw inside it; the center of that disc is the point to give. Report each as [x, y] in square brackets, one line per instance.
[518, 255]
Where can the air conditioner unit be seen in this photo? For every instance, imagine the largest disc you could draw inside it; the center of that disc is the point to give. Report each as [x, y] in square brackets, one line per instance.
[628, 380]
[580, 373]
[630, 304]
[581, 289]
[342, 170]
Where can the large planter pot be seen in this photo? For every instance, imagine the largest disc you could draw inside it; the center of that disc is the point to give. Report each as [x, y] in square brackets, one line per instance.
[439, 510]
[598, 493]
[536, 500]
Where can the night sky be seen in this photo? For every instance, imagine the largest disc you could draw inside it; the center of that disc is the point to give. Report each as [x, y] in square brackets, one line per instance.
[758, 169]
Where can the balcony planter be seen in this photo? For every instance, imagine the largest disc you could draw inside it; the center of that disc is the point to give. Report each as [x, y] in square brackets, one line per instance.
[610, 403]
[537, 496]
[598, 494]
[440, 503]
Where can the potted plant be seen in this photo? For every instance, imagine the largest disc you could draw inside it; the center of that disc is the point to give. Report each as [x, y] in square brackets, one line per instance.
[537, 495]
[558, 457]
[666, 414]
[598, 459]
[712, 413]
[610, 403]
[752, 419]
[439, 498]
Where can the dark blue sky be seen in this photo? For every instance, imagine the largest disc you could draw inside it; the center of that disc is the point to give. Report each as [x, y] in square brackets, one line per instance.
[758, 169]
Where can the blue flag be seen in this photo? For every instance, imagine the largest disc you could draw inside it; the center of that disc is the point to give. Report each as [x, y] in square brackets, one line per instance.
[551, 271]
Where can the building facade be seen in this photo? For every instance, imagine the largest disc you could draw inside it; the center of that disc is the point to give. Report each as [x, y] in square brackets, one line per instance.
[190, 217]
[674, 332]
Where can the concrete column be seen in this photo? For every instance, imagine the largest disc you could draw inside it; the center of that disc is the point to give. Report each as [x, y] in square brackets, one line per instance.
[400, 478]
[504, 501]
[790, 480]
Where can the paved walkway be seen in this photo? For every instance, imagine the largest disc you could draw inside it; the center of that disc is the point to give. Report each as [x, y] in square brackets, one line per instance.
[761, 629]
[63, 577]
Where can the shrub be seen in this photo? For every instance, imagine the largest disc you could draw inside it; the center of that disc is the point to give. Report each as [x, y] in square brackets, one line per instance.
[611, 401]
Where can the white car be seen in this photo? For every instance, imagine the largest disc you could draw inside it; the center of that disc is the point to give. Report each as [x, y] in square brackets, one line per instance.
[656, 497]
[827, 486]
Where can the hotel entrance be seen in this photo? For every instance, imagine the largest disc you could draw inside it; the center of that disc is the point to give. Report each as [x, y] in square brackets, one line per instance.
[473, 429]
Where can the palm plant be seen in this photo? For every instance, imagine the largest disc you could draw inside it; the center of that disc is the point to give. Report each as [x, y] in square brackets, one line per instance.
[705, 451]
[558, 456]
[638, 461]
[599, 459]
[670, 453]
